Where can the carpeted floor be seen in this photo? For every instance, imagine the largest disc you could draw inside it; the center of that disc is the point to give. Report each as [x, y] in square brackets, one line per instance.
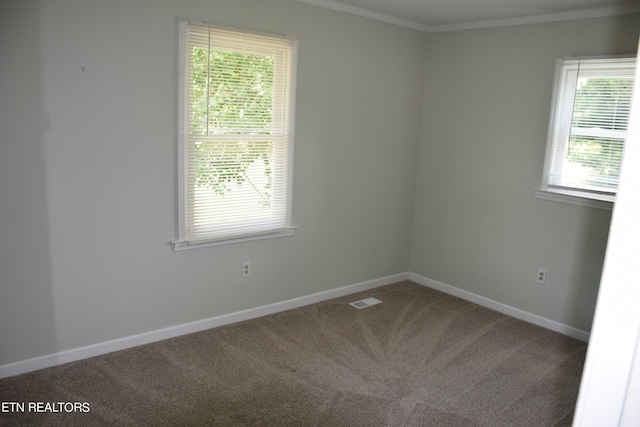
[421, 358]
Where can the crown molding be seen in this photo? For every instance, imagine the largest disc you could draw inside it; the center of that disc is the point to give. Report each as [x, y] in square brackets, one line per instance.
[353, 10]
[536, 19]
[473, 25]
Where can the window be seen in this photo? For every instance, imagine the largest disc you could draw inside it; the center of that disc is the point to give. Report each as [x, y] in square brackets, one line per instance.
[587, 130]
[235, 140]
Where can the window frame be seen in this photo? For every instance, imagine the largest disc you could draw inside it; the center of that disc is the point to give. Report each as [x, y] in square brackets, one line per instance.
[571, 195]
[184, 199]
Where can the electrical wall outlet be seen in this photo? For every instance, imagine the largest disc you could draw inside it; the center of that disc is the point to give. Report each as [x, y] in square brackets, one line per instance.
[246, 269]
[542, 276]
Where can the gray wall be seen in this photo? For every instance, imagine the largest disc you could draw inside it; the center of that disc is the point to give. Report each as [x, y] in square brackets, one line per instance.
[477, 225]
[87, 168]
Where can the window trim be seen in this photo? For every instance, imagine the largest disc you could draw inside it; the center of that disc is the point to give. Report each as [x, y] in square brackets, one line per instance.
[574, 198]
[579, 197]
[182, 243]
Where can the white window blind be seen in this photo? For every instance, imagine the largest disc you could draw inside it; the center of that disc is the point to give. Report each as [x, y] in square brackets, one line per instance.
[235, 140]
[588, 126]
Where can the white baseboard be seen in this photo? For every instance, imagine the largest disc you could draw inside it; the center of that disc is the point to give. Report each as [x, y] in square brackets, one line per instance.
[80, 353]
[500, 307]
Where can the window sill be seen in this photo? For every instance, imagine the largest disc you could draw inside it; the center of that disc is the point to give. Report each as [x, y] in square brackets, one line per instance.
[181, 245]
[596, 201]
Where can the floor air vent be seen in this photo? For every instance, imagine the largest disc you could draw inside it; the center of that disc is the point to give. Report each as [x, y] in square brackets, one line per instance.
[367, 302]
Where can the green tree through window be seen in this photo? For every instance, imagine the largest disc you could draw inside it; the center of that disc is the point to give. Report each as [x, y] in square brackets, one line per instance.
[600, 104]
[587, 129]
[235, 141]
[232, 95]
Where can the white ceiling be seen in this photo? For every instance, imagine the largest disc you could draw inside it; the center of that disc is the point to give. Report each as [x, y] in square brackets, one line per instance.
[445, 15]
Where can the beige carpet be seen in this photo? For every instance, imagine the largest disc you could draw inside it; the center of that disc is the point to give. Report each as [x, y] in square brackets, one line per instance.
[420, 358]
